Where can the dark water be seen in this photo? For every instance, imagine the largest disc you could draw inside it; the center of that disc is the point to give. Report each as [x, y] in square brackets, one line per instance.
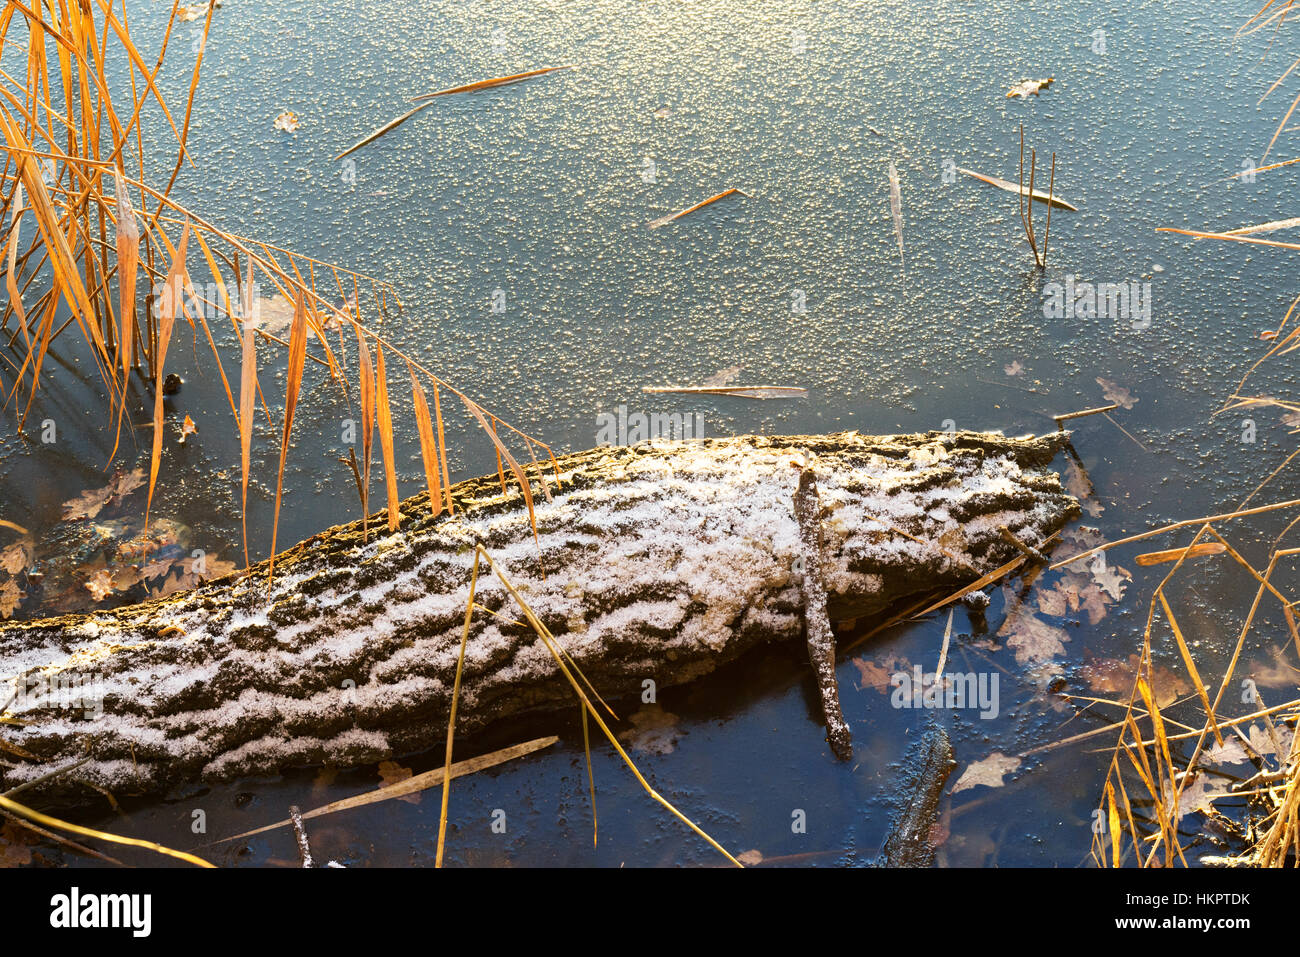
[539, 190]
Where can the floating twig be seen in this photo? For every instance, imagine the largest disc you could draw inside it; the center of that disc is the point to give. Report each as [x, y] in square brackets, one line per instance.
[304, 849]
[739, 391]
[664, 220]
[817, 627]
[1079, 415]
[411, 785]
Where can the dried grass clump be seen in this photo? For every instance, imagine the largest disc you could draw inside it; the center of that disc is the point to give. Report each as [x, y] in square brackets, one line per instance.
[74, 179]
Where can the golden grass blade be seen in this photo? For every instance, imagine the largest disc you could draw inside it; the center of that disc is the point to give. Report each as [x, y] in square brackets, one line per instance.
[134, 54]
[11, 273]
[386, 444]
[1191, 668]
[367, 421]
[524, 485]
[428, 443]
[665, 220]
[1049, 198]
[591, 777]
[1112, 824]
[1231, 237]
[442, 450]
[486, 84]
[62, 262]
[455, 701]
[412, 785]
[247, 401]
[128, 257]
[172, 299]
[23, 811]
[1178, 554]
[1163, 757]
[386, 128]
[297, 357]
[736, 391]
[1262, 169]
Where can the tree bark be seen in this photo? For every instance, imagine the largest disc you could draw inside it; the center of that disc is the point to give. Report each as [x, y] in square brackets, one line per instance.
[657, 562]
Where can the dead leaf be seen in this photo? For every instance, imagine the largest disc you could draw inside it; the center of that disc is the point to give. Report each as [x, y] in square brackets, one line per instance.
[1015, 368]
[287, 121]
[723, 377]
[654, 732]
[1080, 486]
[170, 585]
[1083, 537]
[17, 557]
[100, 584]
[988, 772]
[1110, 579]
[750, 858]
[188, 428]
[1114, 392]
[16, 844]
[390, 772]
[1279, 674]
[1066, 598]
[10, 597]
[214, 569]
[271, 314]
[1232, 751]
[1027, 88]
[86, 505]
[195, 11]
[877, 672]
[1200, 794]
[124, 483]
[1111, 676]
[89, 503]
[1031, 638]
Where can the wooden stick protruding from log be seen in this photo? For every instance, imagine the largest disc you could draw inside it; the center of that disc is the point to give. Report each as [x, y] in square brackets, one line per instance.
[817, 625]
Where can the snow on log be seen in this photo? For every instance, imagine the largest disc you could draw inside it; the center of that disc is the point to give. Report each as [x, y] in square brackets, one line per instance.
[661, 561]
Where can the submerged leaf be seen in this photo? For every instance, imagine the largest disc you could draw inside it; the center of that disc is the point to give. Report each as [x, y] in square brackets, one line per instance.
[987, 773]
[1114, 392]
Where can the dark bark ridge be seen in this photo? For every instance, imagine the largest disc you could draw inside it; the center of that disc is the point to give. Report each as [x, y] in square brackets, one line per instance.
[662, 562]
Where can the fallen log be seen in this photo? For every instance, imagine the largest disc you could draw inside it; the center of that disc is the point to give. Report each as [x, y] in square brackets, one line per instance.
[661, 562]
